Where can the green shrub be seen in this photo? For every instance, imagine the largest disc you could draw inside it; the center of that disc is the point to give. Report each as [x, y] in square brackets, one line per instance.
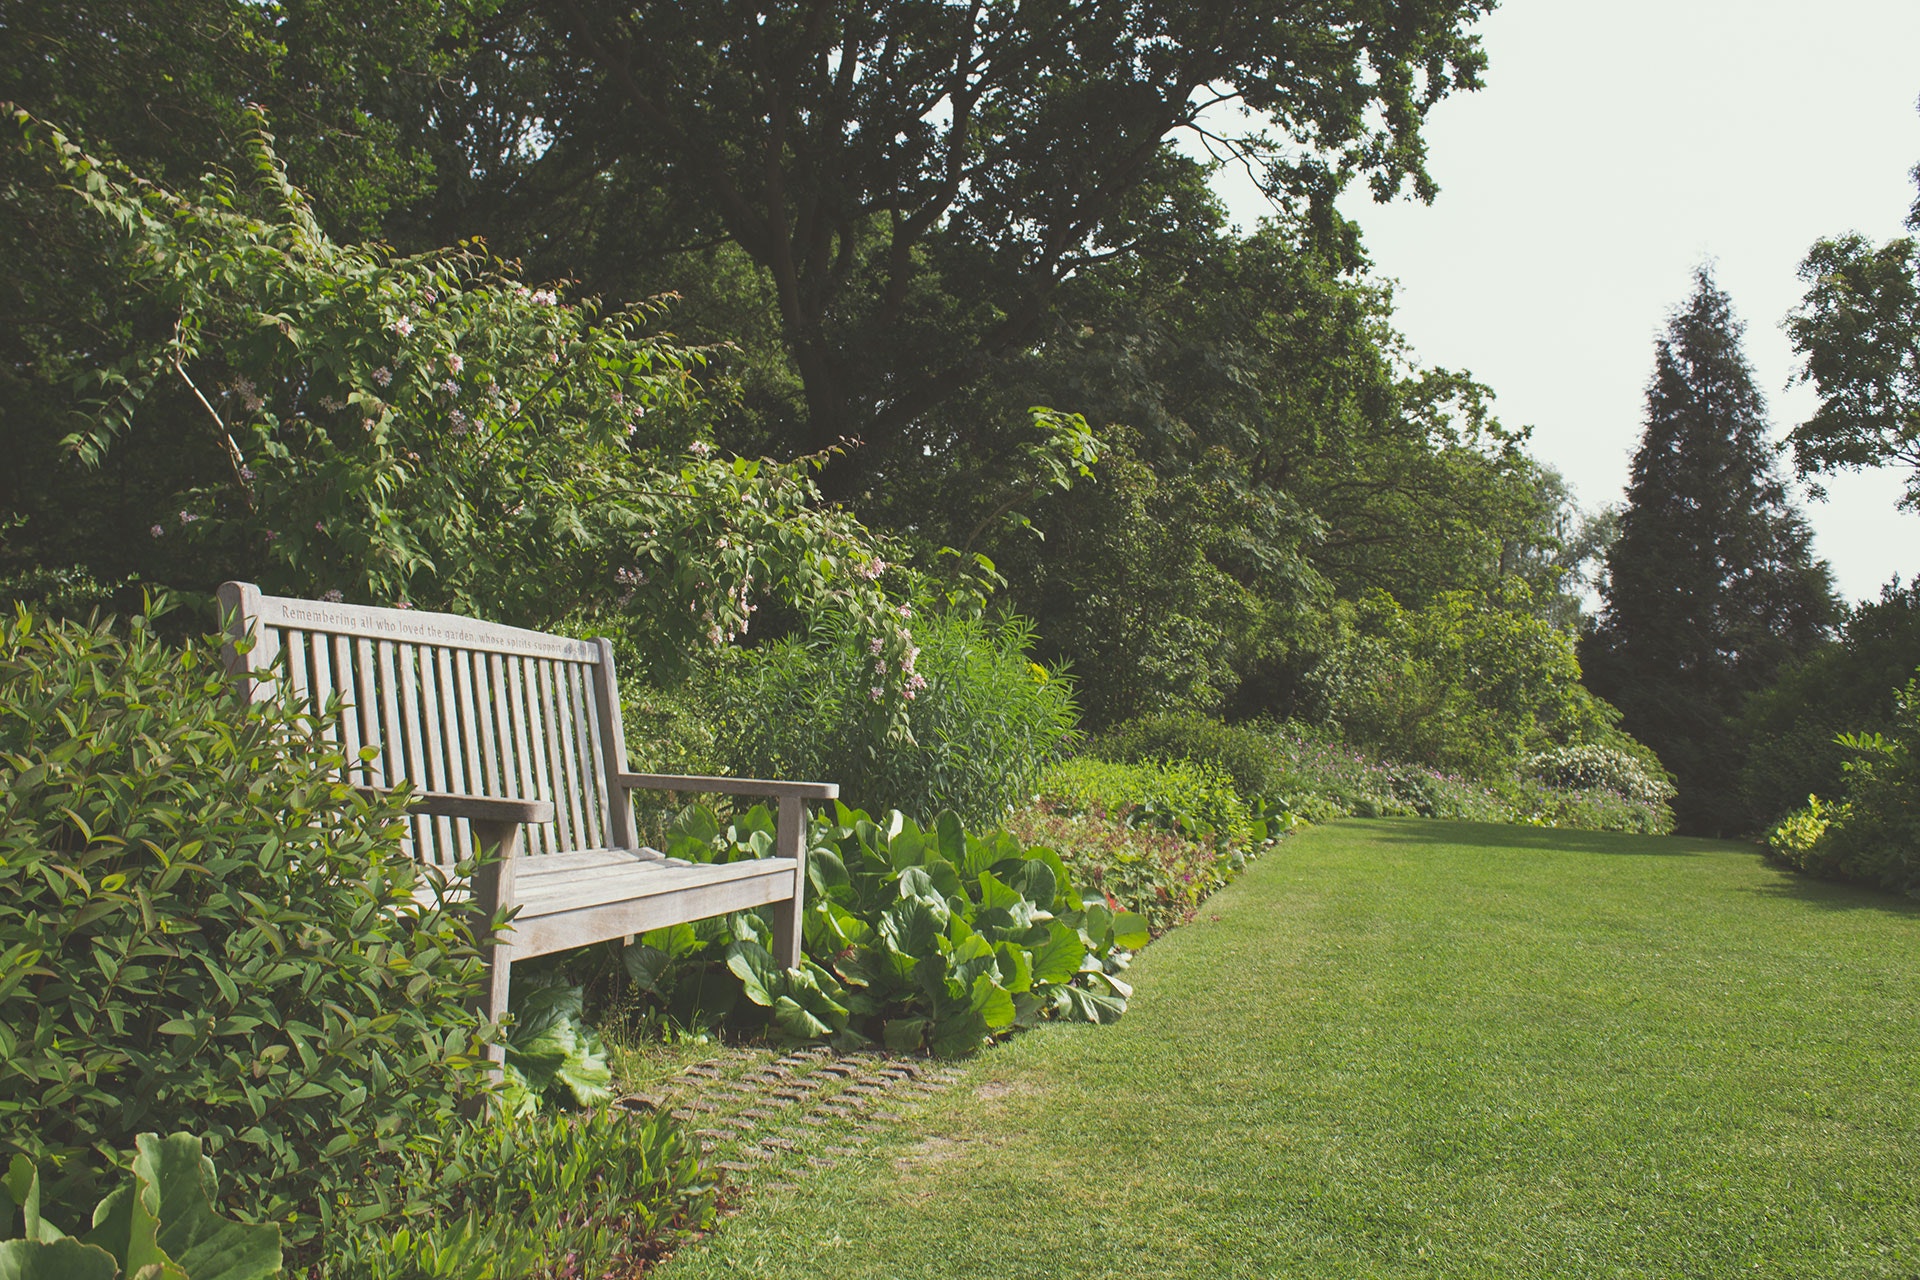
[1195, 800]
[1244, 752]
[985, 719]
[1873, 834]
[201, 927]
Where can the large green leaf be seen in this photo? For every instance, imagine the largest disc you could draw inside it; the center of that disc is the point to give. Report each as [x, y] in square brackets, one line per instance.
[1130, 931]
[127, 1225]
[906, 1035]
[61, 1259]
[205, 1245]
[759, 975]
[1059, 957]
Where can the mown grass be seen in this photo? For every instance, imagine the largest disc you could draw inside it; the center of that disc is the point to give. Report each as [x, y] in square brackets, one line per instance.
[1407, 1048]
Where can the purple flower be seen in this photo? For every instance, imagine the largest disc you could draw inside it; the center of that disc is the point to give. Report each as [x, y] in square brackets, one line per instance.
[334, 596]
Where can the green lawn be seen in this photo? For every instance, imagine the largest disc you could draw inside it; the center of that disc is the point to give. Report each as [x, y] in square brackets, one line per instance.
[1429, 1049]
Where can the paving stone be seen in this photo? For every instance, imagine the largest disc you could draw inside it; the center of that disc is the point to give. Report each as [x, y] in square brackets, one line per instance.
[821, 1162]
[779, 1186]
[924, 1087]
[733, 1166]
[719, 1135]
[761, 1153]
[838, 1113]
[739, 1087]
[755, 1113]
[736, 1122]
[705, 1069]
[782, 1144]
[699, 1104]
[815, 1121]
[681, 1113]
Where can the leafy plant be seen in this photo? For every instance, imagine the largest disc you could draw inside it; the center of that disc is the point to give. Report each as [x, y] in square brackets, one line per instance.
[159, 1226]
[985, 717]
[553, 1056]
[593, 1192]
[1593, 766]
[201, 924]
[916, 937]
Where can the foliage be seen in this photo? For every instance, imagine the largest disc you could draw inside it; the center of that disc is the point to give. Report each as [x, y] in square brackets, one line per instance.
[553, 1056]
[916, 937]
[201, 924]
[1244, 752]
[985, 717]
[1467, 684]
[159, 1226]
[918, 181]
[1712, 584]
[1153, 835]
[1589, 766]
[431, 431]
[1191, 799]
[1872, 834]
[1794, 723]
[1858, 330]
[595, 1193]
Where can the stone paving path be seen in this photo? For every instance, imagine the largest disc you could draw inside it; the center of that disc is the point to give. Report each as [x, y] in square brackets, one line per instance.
[767, 1120]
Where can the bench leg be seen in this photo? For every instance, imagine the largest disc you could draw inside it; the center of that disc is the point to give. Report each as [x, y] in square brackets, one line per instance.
[493, 888]
[790, 841]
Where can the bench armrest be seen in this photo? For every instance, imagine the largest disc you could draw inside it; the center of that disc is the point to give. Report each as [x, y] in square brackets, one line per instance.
[727, 786]
[448, 804]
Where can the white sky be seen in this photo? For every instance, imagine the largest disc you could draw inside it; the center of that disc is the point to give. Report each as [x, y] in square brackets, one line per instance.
[1616, 146]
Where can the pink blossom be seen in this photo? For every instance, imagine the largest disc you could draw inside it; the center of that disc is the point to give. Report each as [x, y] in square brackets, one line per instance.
[876, 693]
[157, 531]
[545, 298]
[403, 603]
[319, 527]
[335, 596]
[906, 611]
[383, 375]
[876, 644]
[403, 326]
[455, 364]
[187, 517]
[700, 448]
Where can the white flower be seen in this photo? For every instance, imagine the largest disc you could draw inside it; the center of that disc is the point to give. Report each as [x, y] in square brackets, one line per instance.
[455, 364]
[700, 448]
[335, 596]
[383, 375]
[403, 326]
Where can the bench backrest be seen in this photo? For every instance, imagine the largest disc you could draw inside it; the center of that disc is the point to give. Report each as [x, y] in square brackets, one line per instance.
[452, 704]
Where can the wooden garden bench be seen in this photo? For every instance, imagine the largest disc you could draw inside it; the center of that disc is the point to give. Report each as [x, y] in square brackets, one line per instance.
[498, 729]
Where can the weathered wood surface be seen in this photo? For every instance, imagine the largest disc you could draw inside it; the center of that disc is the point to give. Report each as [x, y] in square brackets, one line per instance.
[511, 740]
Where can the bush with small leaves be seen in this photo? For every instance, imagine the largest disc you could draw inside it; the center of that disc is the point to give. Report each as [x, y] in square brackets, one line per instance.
[202, 927]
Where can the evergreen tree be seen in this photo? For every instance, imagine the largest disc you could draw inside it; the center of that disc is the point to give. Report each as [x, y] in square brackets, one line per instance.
[1712, 582]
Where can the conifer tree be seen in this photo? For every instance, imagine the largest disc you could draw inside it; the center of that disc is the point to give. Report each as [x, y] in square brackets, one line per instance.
[1712, 584]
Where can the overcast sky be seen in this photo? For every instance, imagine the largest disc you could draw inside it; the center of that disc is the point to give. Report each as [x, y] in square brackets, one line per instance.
[1614, 148]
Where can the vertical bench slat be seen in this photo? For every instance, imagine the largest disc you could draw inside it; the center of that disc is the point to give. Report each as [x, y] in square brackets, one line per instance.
[586, 749]
[372, 735]
[532, 780]
[613, 746]
[434, 750]
[343, 687]
[393, 735]
[480, 669]
[319, 650]
[559, 752]
[298, 681]
[457, 678]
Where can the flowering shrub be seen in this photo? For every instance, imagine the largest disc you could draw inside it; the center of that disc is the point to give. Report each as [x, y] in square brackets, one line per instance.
[433, 432]
[1591, 766]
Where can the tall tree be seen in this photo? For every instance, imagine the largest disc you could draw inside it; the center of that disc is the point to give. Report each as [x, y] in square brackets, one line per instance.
[1712, 584]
